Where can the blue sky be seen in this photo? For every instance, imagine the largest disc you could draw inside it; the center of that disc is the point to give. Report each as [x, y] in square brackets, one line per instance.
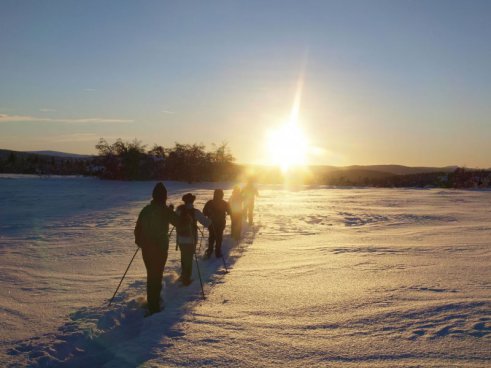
[404, 82]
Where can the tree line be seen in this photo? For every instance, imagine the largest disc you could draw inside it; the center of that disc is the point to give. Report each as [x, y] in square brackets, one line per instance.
[460, 178]
[14, 162]
[131, 160]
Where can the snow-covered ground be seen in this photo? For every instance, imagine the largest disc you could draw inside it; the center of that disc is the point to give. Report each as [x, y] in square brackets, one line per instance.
[326, 277]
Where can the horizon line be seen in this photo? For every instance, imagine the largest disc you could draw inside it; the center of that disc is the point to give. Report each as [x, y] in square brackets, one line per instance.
[252, 164]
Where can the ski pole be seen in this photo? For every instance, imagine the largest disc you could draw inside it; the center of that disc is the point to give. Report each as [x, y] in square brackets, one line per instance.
[199, 275]
[127, 268]
[197, 267]
[170, 233]
[202, 236]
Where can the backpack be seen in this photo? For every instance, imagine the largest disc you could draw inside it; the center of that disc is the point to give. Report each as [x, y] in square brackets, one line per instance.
[186, 221]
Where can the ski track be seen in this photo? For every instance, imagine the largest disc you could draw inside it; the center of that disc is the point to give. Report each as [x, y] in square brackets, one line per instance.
[360, 277]
[92, 335]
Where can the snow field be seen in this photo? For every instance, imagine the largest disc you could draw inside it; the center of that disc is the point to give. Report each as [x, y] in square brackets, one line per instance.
[381, 293]
[327, 277]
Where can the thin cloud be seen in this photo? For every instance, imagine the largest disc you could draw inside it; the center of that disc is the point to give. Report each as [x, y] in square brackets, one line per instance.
[76, 137]
[81, 138]
[5, 118]
[48, 141]
[94, 120]
[89, 90]
[45, 109]
[168, 112]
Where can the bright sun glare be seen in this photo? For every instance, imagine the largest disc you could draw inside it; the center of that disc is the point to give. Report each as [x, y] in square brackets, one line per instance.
[288, 145]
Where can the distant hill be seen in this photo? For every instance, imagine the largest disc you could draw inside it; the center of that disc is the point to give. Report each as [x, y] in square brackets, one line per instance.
[380, 170]
[347, 175]
[59, 154]
[401, 170]
[44, 163]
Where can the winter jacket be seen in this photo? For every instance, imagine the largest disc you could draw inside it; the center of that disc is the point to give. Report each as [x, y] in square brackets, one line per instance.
[235, 204]
[152, 226]
[190, 237]
[217, 210]
[249, 194]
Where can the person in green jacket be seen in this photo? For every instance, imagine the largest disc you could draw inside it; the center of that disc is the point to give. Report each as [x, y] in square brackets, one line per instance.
[152, 236]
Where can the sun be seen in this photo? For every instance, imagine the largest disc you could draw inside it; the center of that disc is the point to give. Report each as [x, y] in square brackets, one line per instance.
[287, 146]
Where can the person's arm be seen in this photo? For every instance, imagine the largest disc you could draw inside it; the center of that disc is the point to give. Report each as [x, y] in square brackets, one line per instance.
[207, 210]
[173, 217]
[138, 231]
[202, 219]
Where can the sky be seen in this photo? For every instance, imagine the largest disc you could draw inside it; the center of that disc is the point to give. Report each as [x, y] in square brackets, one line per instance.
[384, 82]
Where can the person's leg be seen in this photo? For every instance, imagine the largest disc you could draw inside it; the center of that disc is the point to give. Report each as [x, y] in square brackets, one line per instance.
[162, 257]
[239, 225]
[211, 240]
[183, 265]
[148, 266]
[245, 210]
[236, 226]
[219, 239]
[250, 215]
[154, 263]
[233, 227]
[188, 266]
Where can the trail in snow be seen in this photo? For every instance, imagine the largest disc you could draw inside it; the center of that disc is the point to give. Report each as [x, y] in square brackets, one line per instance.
[362, 277]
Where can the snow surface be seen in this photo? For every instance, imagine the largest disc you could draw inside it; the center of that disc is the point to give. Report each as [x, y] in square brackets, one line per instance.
[326, 277]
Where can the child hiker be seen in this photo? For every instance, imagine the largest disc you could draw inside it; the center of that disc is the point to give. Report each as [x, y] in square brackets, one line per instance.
[187, 234]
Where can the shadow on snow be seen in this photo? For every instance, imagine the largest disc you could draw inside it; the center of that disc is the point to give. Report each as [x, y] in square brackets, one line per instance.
[120, 335]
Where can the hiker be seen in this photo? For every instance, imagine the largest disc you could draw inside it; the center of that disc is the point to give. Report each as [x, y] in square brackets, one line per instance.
[235, 203]
[249, 193]
[187, 234]
[216, 209]
[151, 235]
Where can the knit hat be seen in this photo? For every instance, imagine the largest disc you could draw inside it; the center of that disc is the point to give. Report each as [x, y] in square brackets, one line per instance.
[159, 192]
[218, 194]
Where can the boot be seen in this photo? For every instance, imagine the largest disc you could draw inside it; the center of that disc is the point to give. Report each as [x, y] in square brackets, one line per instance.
[218, 252]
